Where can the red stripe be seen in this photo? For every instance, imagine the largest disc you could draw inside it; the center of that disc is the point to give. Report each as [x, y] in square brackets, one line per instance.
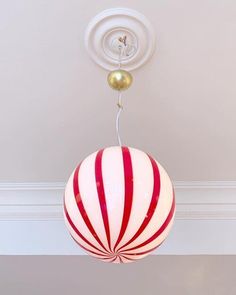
[128, 200]
[79, 234]
[141, 253]
[113, 259]
[86, 249]
[128, 258]
[153, 203]
[160, 230]
[81, 208]
[101, 195]
[105, 259]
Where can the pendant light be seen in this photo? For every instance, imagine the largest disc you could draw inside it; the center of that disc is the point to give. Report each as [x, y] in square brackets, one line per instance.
[119, 202]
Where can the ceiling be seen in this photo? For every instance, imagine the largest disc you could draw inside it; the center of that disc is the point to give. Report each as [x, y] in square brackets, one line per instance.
[56, 107]
[180, 275]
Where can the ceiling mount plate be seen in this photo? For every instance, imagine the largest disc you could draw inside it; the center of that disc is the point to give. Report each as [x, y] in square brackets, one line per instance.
[105, 29]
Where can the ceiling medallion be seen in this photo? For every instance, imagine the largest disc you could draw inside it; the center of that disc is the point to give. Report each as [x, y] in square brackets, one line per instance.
[104, 30]
[119, 202]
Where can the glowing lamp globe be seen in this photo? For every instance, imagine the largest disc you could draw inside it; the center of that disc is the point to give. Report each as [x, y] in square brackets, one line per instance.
[119, 204]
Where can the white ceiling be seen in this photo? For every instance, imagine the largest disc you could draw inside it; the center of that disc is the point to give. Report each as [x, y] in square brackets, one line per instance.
[180, 275]
[56, 107]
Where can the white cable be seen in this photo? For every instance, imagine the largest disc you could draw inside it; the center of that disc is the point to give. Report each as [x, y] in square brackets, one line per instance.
[119, 104]
[122, 50]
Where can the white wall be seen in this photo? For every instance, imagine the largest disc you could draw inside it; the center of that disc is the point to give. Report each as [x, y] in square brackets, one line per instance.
[31, 220]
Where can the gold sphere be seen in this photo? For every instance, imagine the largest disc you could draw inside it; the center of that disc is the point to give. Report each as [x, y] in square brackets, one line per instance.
[119, 79]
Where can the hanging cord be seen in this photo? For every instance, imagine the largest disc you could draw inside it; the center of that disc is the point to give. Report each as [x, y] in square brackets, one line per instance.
[119, 102]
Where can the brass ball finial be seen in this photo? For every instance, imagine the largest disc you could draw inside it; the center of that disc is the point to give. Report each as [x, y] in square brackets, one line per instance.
[119, 79]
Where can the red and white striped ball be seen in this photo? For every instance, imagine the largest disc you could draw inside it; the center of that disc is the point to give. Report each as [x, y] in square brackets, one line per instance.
[119, 204]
